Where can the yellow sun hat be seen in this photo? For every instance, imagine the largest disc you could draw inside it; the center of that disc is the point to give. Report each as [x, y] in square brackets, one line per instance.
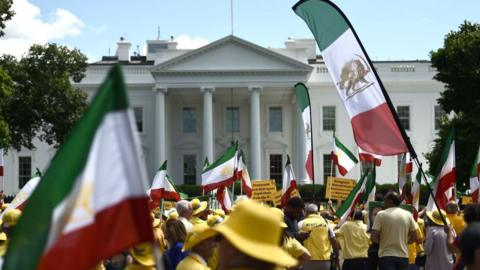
[198, 206]
[3, 236]
[214, 220]
[260, 241]
[219, 212]
[4, 206]
[143, 253]
[197, 234]
[280, 212]
[11, 217]
[435, 217]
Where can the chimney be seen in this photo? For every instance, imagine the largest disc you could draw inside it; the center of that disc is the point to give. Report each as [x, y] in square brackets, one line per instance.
[123, 50]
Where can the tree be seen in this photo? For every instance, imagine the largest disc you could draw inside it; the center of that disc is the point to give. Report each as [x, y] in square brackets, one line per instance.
[43, 102]
[6, 13]
[458, 66]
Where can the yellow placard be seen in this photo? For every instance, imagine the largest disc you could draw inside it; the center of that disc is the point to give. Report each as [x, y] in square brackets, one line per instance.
[467, 200]
[264, 190]
[340, 188]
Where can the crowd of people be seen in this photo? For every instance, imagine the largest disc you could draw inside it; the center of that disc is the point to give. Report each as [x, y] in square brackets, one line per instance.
[191, 236]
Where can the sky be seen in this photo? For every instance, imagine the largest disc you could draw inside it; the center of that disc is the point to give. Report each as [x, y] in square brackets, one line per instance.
[389, 30]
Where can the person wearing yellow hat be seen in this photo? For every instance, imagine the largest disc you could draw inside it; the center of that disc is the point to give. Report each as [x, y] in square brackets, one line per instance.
[184, 210]
[175, 233]
[250, 239]
[10, 220]
[439, 255]
[143, 258]
[201, 243]
[199, 213]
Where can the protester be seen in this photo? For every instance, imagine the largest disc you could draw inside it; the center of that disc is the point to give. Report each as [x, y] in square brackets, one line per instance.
[439, 257]
[393, 228]
[175, 234]
[199, 213]
[184, 210]
[355, 243]
[471, 214]
[249, 239]
[470, 246]
[416, 254]
[201, 243]
[453, 214]
[321, 240]
[293, 213]
[143, 258]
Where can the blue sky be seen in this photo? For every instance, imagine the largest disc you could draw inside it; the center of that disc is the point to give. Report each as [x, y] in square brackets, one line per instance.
[397, 30]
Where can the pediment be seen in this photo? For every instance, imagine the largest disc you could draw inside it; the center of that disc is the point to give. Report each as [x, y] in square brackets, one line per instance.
[231, 54]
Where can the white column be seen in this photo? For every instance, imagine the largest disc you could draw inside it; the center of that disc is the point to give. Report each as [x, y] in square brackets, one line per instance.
[255, 140]
[301, 146]
[207, 123]
[160, 127]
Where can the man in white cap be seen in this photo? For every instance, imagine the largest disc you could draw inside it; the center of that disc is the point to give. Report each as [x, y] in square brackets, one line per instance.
[184, 210]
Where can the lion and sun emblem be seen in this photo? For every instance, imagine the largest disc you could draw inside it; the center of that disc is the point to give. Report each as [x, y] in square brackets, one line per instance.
[353, 76]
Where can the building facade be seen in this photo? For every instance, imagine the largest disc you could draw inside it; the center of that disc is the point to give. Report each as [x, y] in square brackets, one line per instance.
[192, 104]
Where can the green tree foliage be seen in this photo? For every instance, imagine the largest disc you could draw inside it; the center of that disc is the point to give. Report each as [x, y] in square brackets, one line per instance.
[43, 102]
[6, 13]
[6, 86]
[458, 66]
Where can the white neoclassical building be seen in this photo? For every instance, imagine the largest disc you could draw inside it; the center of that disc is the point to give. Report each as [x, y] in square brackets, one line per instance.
[191, 104]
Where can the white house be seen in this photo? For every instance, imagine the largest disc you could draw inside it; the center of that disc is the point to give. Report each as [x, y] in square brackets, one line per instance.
[191, 104]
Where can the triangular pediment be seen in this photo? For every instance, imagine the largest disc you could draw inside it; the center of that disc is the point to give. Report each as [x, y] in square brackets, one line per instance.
[231, 54]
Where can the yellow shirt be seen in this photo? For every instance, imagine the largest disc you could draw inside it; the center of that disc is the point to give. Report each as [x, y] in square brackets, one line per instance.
[193, 262]
[355, 239]
[394, 225]
[293, 247]
[139, 267]
[318, 243]
[415, 248]
[213, 260]
[197, 220]
[458, 222]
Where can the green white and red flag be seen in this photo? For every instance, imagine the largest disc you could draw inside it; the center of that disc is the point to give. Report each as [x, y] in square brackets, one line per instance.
[162, 187]
[445, 179]
[222, 172]
[404, 175]
[22, 196]
[1, 162]
[342, 157]
[223, 197]
[289, 183]
[366, 157]
[367, 103]
[474, 178]
[242, 173]
[303, 101]
[415, 198]
[206, 163]
[91, 202]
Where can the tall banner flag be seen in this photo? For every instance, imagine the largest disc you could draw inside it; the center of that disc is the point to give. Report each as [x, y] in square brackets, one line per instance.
[444, 183]
[372, 115]
[342, 157]
[404, 175]
[1, 162]
[289, 182]
[91, 202]
[162, 187]
[242, 173]
[303, 100]
[474, 177]
[415, 198]
[222, 172]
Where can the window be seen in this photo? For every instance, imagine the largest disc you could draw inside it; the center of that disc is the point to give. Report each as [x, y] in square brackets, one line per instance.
[233, 119]
[24, 170]
[327, 167]
[189, 169]
[275, 119]
[404, 116]
[276, 168]
[138, 113]
[189, 120]
[328, 118]
[439, 114]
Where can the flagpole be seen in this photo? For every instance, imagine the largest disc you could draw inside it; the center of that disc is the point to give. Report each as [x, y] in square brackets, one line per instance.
[331, 172]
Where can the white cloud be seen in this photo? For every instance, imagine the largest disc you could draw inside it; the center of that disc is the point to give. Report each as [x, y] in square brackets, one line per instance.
[186, 42]
[27, 27]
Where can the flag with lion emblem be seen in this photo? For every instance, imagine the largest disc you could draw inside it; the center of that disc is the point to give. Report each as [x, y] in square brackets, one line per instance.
[373, 122]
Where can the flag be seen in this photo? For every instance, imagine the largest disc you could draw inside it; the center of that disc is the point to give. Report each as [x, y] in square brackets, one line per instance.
[404, 175]
[206, 163]
[222, 171]
[223, 197]
[289, 183]
[415, 198]
[342, 157]
[303, 100]
[444, 183]
[22, 196]
[91, 202]
[242, 173]
[367, 103]
[474, 175]
[367, 157]
[162, 187]
[1, 162]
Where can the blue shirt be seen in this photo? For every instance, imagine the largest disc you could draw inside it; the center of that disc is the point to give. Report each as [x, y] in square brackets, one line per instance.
[174, 255]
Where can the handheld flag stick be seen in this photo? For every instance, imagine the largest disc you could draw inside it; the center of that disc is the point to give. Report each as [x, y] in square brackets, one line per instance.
[331, 172]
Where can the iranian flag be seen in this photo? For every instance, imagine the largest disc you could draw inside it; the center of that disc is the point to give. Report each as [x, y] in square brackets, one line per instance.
[404, 175]
[415, 198]
[444, 183]
[22, 196]
[222, 171]
[342, 157]
[162, 187]
[303, 100]
[242, 173]
[91, 202]
[366, 157]
[1, 162]
[289, 183]
[206, 163]
[371, 113]
[474, 175]
[223, 197]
